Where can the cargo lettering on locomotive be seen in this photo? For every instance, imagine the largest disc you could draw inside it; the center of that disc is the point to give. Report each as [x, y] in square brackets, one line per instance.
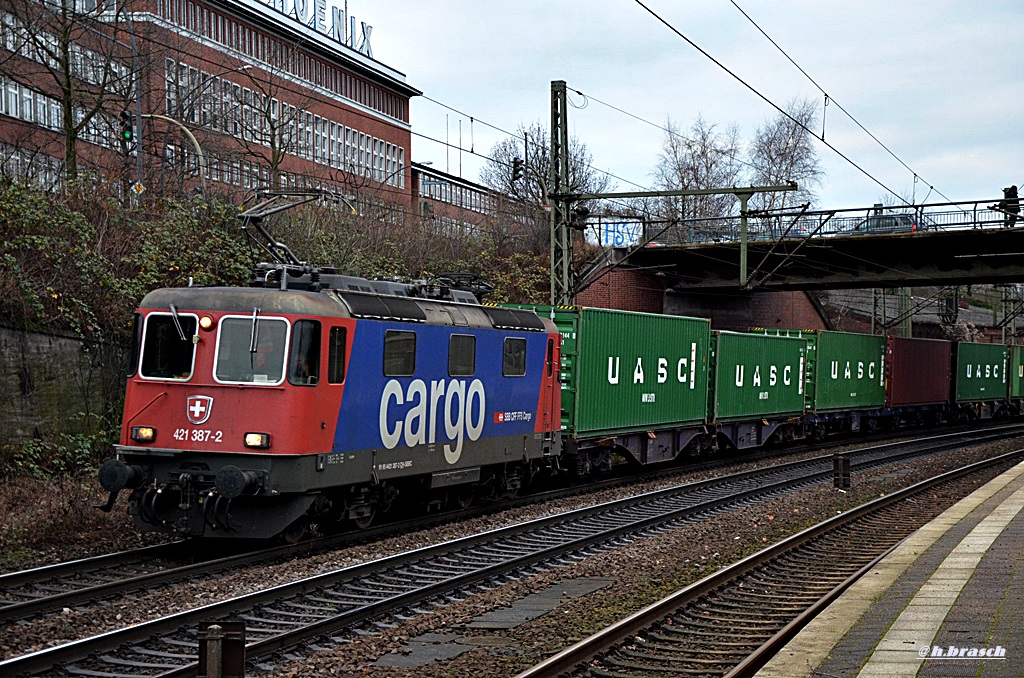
[685, 369]
[419, 425]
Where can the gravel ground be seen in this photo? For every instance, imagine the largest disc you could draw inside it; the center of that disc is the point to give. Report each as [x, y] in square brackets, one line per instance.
[645, 572]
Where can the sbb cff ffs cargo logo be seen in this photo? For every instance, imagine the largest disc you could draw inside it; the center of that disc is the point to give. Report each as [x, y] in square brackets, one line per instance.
[506, 417]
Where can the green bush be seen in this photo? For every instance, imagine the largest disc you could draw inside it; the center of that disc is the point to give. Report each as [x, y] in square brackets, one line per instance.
[67, 455]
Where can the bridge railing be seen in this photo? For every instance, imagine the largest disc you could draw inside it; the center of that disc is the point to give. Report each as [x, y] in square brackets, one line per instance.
[975, 214]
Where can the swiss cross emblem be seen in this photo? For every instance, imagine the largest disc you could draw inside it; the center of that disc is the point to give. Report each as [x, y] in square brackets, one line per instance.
[198, 409]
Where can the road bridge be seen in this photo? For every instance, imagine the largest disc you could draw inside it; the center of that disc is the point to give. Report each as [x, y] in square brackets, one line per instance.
[927, 245]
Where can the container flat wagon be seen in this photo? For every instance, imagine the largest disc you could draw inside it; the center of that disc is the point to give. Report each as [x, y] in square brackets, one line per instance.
[845, 379]
[633, 383]
[758, 387]
[980, 381]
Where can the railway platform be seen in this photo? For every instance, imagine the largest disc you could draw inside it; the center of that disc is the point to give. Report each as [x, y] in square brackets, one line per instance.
[948, 601]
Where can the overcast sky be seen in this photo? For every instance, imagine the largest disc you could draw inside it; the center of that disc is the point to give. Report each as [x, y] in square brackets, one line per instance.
[940, 83]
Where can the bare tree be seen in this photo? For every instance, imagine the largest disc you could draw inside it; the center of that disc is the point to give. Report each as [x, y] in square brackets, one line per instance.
[783, 151]
[706, 158]
[271, 118]
[73, 64]
[529, 193]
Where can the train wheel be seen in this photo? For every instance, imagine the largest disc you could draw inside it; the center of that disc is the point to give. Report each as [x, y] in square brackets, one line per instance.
[463, 497]
[364, 521]
[295, 532]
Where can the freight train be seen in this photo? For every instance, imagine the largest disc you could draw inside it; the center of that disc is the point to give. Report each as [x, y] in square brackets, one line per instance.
[310, 398]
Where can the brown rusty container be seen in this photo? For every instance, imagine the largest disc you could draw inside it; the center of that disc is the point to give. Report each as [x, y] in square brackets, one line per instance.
[917, 372]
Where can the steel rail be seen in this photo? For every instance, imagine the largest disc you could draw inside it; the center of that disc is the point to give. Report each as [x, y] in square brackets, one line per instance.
[612, 636]
[74, 576]
[114, 639]
[70, 567]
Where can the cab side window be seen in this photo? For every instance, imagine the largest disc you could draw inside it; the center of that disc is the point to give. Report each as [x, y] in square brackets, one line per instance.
[336, 356]
[461, 355]
[304, 361]
[514, 361]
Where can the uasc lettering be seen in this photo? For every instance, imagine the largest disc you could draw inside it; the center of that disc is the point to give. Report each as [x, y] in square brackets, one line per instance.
[860, 369]
[983, 371]
[683, 369]
[757, 379]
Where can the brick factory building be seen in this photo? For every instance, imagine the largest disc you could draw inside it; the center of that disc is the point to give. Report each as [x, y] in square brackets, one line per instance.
[280, 93]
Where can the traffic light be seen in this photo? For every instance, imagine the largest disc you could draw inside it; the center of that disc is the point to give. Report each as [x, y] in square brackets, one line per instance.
[517, 169]
[127, 129]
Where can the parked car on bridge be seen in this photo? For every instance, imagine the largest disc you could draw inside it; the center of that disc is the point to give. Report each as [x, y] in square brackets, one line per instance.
[892, 223]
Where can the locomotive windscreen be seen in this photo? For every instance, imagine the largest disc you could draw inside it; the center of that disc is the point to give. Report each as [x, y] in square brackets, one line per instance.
[236, 362]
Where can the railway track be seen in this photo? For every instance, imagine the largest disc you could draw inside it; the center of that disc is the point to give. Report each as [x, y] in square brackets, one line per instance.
[733, 621]
[89, 581]
[338, 603]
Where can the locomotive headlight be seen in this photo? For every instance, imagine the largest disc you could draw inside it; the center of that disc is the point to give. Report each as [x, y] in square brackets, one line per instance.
[206, 323]
[143, 434]
[257, 440]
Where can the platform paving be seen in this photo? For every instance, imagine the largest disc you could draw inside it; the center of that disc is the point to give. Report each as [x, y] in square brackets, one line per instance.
[956, 586]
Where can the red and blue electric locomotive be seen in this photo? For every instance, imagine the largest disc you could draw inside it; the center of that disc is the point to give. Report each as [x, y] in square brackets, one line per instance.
[310, 397]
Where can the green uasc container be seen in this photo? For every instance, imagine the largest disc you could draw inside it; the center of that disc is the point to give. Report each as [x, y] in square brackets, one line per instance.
[981, 372]
[845, 371]
[625, 372]
[757, 376]
[1016, 374]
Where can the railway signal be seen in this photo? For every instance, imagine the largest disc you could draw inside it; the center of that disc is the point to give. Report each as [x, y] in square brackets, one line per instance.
[517, 169]
[127, 130]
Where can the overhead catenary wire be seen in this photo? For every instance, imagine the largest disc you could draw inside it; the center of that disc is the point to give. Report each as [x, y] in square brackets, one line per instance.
[287, 83]
[831, 100]
[764, 98]
[515, 135]
[659, 127]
